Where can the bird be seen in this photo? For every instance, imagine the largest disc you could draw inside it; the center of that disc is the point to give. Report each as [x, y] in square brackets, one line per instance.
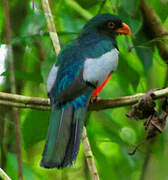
[81, 70]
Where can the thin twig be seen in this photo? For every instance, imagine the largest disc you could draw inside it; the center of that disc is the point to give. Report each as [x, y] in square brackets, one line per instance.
[3, 175]
[21, 101]
[51, 26]
[55, 41]
[145, 165]
[89, 156]
[13, 89]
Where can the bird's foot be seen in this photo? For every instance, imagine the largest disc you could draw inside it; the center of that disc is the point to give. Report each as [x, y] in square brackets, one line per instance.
[93, 98]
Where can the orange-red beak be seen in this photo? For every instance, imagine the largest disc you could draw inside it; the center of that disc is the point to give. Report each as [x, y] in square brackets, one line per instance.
[124, 29]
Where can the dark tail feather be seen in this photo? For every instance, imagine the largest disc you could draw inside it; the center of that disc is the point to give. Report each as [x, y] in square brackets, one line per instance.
[76, 133]
[63, 139]
[58, 137]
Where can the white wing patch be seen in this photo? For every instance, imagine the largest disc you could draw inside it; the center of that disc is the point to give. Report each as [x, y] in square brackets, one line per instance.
[96, 70]
[51, 78]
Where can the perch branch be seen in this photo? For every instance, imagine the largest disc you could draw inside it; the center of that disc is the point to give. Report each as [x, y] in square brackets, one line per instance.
[3, 175]
[55, 41]
[20, 101]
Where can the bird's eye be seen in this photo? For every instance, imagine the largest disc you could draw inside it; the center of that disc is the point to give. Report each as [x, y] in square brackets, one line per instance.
[111, 25]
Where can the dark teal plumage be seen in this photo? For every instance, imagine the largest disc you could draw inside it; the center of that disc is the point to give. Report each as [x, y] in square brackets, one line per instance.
[70, 94]
[93, 46]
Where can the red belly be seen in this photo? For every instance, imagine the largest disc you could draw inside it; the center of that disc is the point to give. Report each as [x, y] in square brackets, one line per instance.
[99, 88]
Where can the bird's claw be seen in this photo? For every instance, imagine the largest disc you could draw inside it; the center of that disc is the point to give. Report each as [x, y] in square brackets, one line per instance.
[93, 99]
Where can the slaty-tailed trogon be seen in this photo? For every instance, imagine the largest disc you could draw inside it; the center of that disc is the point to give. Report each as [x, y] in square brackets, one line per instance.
[81, 70]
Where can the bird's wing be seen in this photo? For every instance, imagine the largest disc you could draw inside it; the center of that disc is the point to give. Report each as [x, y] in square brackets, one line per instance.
[74, 61]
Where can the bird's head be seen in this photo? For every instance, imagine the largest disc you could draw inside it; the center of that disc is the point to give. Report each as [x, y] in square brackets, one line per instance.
[106, 24]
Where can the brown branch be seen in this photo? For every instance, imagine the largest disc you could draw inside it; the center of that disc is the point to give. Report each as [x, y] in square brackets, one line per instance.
[24, 99]
[89, 156]
[156, 28]
[51, 26]
[13, 90]
[3, 175]
[22, 105]
[20, 101]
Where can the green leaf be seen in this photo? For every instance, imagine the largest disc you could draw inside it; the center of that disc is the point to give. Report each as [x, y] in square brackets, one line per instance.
[69, 24]
[143, 50]
[33, 23]
[47, 65]
[75, 6]
[12, 168]
[87, 4]
[160, 7]
[1, 17]
[130, 6]
[27, 76]
[126, 74]
[134, 21]
[128, 135]
[34, 128]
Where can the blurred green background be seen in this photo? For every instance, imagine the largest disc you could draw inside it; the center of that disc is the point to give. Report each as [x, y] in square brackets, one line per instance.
[111, 134]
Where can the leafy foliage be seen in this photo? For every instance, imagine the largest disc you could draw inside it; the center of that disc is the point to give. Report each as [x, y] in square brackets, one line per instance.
[112, 135]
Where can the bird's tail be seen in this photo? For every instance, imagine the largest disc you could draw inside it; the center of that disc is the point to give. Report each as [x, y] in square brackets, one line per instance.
[64, 135]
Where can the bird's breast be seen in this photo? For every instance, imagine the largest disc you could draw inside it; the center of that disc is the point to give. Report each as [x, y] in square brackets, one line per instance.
[96, 70]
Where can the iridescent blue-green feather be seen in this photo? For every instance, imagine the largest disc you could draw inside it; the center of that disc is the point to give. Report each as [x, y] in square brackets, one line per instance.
[64, 133]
